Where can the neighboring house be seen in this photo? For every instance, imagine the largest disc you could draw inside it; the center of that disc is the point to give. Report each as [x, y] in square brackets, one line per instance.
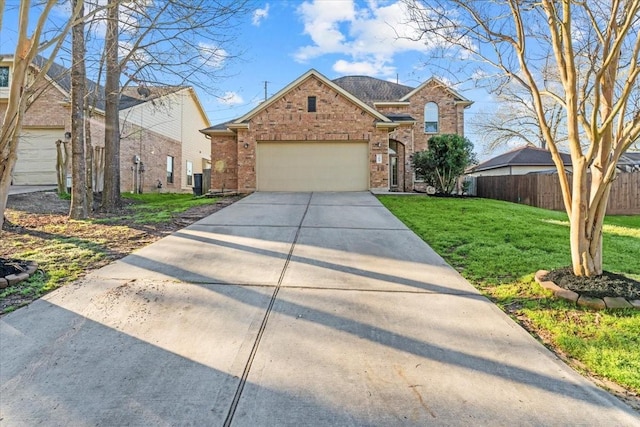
[521, 161]
[629, 162]
[160, 142]
[350, 134]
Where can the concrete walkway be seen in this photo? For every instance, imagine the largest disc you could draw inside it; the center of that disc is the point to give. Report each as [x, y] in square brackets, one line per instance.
[285, 309]
[22, 189]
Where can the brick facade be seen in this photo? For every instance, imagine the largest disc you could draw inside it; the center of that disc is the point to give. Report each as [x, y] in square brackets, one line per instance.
[49, 109]
[338, 117]
[224, 170]
[153, 150]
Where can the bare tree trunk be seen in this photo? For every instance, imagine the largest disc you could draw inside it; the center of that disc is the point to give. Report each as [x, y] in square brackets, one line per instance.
[111, 194]
[59, 167]
[586, 227]
[79, 209]
[7, 161]
[88, 152]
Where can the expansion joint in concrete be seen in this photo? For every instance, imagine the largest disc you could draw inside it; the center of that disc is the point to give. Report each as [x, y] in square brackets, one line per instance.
[245, 373]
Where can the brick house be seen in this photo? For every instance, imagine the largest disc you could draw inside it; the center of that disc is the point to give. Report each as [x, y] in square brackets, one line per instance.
[160, 142]
[349, 134]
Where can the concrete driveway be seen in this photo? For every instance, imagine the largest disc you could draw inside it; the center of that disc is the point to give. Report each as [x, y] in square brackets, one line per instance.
[285, 309]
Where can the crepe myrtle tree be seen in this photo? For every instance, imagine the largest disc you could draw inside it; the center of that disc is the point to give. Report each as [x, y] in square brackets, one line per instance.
[446, 159]
[594, 48]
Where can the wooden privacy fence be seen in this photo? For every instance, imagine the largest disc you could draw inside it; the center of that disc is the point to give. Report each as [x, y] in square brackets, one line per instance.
[543, 191]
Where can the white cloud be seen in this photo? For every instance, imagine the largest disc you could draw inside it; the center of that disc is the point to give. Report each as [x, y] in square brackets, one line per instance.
[369, 34]
[362, 68]
[231, 98]
[260, 15]
[212, 56]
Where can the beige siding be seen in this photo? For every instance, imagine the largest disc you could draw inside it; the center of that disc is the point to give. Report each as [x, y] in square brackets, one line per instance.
[176, 117]
[195, 146]
[312, 166]
[160, 116]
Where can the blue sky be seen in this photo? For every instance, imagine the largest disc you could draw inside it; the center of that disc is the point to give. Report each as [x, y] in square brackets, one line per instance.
[282, 39]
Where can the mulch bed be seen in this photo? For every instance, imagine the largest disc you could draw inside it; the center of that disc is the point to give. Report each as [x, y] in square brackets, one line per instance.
[606, 285]
[10, 266]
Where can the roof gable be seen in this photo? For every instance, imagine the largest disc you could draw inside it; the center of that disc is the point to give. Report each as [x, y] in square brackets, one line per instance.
[459, 99]
[60, 77]
[310, 74]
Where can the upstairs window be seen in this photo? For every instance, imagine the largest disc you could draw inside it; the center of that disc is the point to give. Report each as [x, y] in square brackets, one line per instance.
[311, 104]
[431, 118]
[4, 76]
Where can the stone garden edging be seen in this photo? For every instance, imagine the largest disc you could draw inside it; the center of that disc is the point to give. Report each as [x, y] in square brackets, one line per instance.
[12, 279]
[612, 303]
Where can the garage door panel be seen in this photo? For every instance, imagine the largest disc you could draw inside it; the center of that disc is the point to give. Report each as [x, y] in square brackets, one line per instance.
[36, 163]
[312, 166]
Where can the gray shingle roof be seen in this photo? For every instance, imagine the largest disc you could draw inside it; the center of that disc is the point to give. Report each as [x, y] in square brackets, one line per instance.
[400, 117]
[129, 97]
[370, 89]
[630, 158]
[523, 156]
[62, 77]
[219, 126]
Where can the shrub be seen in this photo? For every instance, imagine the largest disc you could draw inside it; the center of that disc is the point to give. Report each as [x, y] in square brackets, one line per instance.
[444, 161]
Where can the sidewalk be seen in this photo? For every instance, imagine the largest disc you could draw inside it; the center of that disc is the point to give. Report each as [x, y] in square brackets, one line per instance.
[22, 189]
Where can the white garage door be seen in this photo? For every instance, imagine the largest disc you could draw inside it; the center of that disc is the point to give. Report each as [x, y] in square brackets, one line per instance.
[312, 166]
[36, 163]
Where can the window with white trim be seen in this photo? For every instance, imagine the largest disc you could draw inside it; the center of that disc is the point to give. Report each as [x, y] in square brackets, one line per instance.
[431, 124]
[170, 160]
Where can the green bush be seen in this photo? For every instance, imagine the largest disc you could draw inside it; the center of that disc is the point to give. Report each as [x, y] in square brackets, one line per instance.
[444, 161]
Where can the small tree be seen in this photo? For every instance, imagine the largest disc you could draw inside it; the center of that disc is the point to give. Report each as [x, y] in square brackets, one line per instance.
[444, 161]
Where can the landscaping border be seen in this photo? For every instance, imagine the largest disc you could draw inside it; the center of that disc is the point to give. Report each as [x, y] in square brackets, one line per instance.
[611, 303]
[12, 279]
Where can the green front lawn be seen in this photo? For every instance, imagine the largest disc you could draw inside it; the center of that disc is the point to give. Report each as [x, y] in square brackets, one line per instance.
[498, 246]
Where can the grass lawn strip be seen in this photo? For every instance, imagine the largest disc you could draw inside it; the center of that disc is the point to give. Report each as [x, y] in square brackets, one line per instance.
[498, 246]
[66, 249]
